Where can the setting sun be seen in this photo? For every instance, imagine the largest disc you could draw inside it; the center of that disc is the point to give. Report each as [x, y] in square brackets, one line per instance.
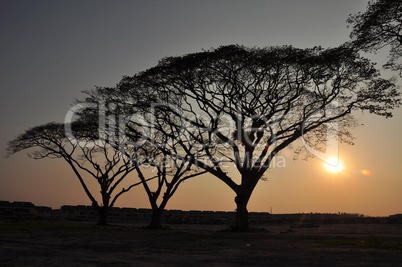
[334, 165]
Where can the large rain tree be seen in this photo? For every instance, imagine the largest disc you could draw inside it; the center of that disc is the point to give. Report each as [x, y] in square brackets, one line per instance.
[242, 106]
[89, 158]
[379, 26]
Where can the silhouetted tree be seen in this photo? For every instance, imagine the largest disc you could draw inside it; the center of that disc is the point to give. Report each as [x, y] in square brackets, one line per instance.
[86, 155]
[244, 105]
[379, 26]
[126, 118]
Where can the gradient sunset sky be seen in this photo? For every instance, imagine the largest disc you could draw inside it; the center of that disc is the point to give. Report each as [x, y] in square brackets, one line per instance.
[52, 50]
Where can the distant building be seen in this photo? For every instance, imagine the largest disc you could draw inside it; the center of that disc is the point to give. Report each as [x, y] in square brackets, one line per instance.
[133, 215]
[17, 208]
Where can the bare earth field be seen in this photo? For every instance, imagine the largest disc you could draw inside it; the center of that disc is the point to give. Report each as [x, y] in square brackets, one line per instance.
[42, 243]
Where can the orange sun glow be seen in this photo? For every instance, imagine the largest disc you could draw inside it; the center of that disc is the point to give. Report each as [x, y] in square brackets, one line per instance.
[333, 165]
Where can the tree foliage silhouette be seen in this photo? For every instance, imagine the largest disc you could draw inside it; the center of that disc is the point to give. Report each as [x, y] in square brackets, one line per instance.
[86, 155]
[244, 105]
[379, 26]
[230, 108]
[154, 156]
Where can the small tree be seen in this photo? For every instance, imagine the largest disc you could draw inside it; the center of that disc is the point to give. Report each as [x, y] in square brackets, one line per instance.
[245, 105]
[153, 151]
[85, 156]
[379, 26]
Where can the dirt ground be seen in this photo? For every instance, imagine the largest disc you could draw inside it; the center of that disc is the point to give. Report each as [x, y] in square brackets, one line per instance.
[44, 243]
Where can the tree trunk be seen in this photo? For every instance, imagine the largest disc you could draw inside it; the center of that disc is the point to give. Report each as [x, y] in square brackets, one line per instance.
[104, 209]
[103, 215]
[241, 213]
[156, 219]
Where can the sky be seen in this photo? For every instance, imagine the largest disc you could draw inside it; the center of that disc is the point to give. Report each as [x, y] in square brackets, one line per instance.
[52, 50]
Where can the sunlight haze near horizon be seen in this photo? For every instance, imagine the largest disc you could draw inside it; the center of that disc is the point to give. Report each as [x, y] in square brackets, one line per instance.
[52, 50]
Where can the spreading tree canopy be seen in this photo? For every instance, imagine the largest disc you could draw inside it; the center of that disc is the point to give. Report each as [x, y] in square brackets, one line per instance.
[379, 26]
[230, 108]
[242, 106]
[127, 125]
[88, 157]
